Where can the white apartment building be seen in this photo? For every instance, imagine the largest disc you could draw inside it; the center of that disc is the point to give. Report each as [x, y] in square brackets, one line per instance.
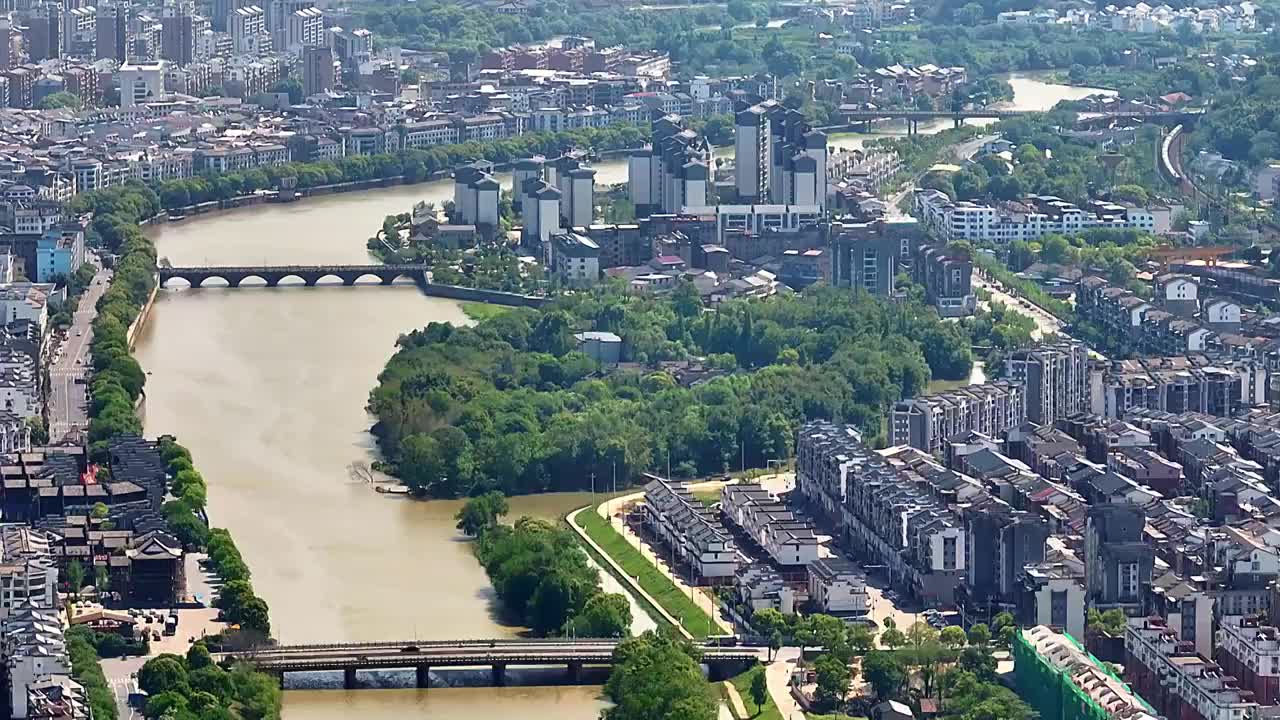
[28, 574]
[1044, 215]
[758, 219]
[304, 28]
[35, 219]
[428, 133]
[248, 26]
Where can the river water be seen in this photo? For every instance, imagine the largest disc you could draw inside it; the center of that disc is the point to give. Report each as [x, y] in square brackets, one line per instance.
[267, 387]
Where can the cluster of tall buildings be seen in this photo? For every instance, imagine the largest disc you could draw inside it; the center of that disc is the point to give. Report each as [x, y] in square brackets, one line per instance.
[673, 172]
[780, 161]
[553, 196]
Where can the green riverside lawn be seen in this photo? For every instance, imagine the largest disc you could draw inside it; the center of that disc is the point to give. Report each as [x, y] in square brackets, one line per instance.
[479, 311]
[768, 711]
[658, 586]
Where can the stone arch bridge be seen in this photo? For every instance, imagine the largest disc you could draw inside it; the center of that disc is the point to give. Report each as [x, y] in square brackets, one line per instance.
[310, 275]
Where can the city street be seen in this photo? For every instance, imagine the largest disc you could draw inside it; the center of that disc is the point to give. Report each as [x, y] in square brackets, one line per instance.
[119, 673]
[1046, 324]
[68, 401]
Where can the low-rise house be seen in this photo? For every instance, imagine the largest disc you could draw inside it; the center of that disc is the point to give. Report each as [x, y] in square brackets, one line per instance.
[1147, 468]
[33, 650]
[837, 587]
[691, 530]
[787, 540]
[760, 587]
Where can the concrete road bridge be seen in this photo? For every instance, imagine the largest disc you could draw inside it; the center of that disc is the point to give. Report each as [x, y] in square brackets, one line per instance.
[498, 655]
[861, 119]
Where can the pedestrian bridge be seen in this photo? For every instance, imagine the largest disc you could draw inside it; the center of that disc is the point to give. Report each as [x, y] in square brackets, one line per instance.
[310, 275]
[498, 655]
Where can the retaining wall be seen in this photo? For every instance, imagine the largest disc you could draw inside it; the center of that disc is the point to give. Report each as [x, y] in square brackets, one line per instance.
[496, 297]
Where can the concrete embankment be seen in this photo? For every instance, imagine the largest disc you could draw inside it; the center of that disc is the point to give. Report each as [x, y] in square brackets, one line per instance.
[144, 313]
[495, 297]
[241, 201]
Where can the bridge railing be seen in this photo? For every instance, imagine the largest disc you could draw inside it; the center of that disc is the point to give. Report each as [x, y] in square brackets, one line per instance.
[460, 644]
[399, 644]
[462, 659]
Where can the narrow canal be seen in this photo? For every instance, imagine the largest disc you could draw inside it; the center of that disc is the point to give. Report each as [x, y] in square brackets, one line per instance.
[267, 387]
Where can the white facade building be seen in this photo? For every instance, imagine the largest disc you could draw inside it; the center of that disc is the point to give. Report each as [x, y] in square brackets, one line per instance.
[836, 587]
[788, 540]
[690, 529]
[1044, 215]
[140, 82]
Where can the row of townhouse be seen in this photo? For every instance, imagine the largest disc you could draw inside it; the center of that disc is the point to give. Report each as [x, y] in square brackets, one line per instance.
[1032, 219]
[1255, 435]
[880, 513]
[787, 540]
[691, 531]
[1144, 18]
[432, 131]
[39, 668]
[1207, 383]
[927, 422]
[1178, 681]
[559, 119]
[1059, 679]
[1175, 321]
[32, 645]
[96, 173]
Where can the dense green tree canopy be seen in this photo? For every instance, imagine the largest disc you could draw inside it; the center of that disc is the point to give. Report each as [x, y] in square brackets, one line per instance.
[511, 403]
[544, 581]
[655, 676]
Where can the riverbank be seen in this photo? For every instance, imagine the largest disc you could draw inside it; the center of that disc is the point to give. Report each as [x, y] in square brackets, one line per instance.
[144, 313]
[629, 582]
[646, 578]
[125, 307]
[292, 181]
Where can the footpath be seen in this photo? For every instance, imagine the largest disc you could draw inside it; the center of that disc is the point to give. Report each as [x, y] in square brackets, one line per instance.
[622, 575]
[706, 602]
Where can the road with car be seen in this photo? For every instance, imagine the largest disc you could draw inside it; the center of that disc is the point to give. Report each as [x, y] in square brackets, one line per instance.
[68, 403]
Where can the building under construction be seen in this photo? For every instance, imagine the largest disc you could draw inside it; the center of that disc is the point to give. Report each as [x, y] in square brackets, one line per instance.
[1060, 680]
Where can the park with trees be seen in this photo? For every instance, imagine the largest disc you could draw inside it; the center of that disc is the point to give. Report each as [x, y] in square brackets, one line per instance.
[512, 404]
[541, 574]
[657, 675]
[954, 668]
